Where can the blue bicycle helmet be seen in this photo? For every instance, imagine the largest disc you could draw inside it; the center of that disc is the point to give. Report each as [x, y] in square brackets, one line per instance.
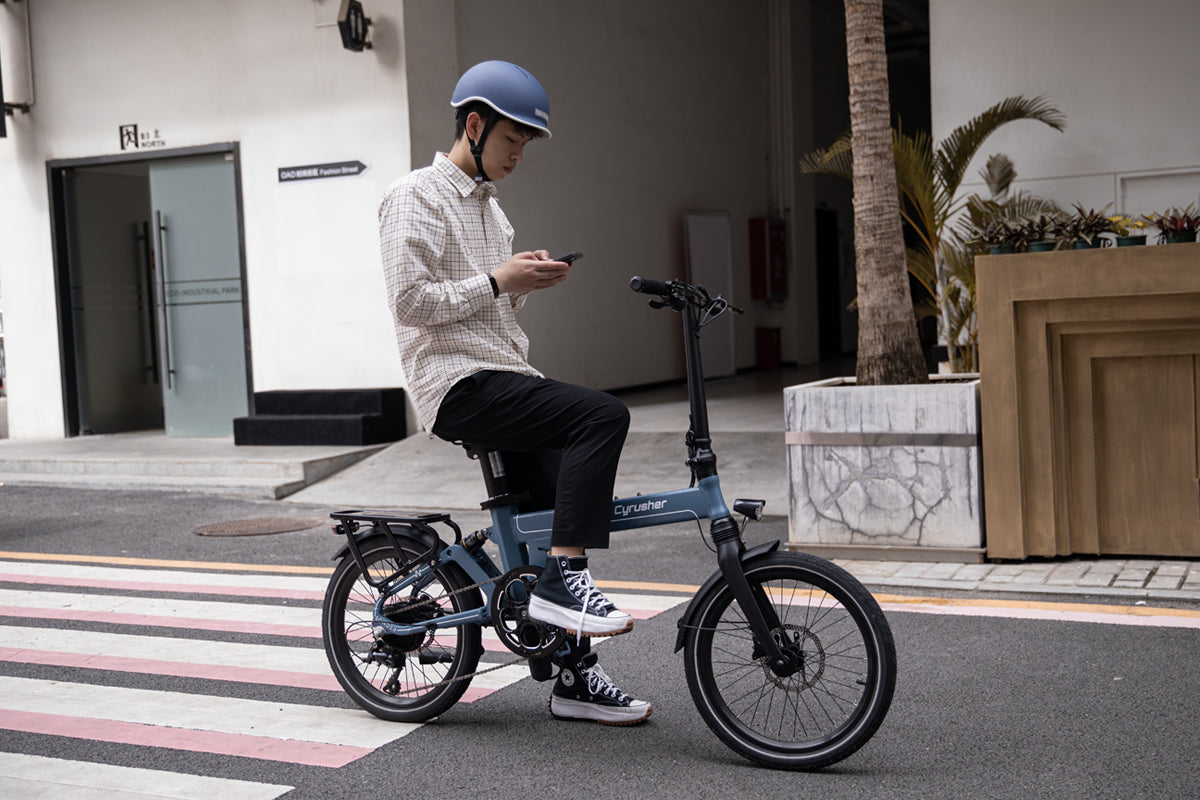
[511, 92]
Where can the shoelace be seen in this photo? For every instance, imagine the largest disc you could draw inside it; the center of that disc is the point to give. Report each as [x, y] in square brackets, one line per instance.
[583, 587]
[600, 683]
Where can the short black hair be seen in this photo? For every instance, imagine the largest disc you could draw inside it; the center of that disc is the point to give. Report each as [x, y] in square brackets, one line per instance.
[483, 110]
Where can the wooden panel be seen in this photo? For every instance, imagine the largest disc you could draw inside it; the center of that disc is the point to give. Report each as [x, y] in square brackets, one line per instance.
[1030, 307]
[1082, 343]
[1146, 486]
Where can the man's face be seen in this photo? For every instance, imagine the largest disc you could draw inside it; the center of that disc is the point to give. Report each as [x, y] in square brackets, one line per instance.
[504, 149]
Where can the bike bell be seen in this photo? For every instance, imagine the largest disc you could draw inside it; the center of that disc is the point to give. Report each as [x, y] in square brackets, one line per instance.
[511, 92]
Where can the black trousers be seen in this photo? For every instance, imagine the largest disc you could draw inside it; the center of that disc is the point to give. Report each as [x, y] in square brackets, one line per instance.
[559, 442]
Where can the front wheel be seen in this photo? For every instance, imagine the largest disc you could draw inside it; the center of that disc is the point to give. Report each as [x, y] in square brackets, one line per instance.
[400, 678]
[842, 686]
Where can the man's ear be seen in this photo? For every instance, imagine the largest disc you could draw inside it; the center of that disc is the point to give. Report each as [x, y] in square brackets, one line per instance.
[474, 126]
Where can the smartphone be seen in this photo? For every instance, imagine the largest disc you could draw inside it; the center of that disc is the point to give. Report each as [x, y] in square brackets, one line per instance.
[569, 258]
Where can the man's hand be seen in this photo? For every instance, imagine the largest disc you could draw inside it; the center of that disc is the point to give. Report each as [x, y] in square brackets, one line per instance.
[525, 272]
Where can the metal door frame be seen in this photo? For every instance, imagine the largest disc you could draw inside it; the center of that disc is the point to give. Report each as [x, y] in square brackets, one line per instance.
[55, 172]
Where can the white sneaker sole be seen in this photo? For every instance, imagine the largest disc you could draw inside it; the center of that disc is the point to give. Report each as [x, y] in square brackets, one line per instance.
[568, 620]
[564, 708]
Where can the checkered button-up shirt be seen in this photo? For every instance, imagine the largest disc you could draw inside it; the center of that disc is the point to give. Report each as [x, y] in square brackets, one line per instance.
[441, 234]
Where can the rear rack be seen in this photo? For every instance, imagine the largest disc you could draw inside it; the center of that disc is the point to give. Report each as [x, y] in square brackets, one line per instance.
[349, 523]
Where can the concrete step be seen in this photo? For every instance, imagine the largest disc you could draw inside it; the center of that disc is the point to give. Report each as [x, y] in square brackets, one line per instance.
[148, 460]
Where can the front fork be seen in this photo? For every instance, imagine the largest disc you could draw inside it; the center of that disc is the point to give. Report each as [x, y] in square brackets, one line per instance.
[760, 613]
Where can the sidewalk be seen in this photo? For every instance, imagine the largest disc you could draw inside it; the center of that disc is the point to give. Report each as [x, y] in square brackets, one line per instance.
[1118, 579]
[419, 473]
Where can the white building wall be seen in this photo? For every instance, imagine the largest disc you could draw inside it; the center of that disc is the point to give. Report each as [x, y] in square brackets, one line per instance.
[658, 109]
[265, 74]
[1124, 74]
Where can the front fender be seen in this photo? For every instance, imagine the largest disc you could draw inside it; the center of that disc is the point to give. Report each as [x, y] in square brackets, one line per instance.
[685, 622]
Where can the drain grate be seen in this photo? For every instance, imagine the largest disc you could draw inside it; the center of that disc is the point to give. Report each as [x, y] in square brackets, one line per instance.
[257, 526]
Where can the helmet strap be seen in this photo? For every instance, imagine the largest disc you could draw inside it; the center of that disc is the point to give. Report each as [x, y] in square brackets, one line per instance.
[477, 149]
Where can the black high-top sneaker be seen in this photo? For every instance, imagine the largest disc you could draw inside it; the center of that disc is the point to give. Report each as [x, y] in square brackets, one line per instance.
[583, 691]
[566, 597]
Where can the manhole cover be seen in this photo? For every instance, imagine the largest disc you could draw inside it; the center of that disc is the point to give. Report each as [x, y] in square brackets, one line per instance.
[258, 526]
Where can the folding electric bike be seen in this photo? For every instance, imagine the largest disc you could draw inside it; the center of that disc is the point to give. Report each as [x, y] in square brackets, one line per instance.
[789, 659]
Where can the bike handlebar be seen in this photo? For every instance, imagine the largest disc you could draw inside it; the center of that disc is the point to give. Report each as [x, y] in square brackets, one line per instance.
[650, 286]
[675, 292]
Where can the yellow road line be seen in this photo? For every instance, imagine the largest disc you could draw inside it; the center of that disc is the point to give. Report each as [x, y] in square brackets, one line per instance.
[894, 600]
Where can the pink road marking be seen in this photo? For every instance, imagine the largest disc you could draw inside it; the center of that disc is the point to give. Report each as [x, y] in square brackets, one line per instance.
[217, 672]
[230, 744]
[170, 588]
[270, 677]
[145, 620]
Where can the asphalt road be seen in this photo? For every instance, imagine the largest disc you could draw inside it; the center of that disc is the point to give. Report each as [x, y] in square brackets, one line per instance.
[984, 707]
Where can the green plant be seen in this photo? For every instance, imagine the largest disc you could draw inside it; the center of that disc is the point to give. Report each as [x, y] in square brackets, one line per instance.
[1086, 225]
[929, 179]
[1176, 220]
[1043, 228]
[1129, 226]
[991, 234]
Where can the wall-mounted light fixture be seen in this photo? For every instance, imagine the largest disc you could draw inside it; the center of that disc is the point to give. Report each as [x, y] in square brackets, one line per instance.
[354, 25]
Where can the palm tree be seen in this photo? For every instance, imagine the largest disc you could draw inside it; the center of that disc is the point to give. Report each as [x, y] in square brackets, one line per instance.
[889, 350]
[929, 180]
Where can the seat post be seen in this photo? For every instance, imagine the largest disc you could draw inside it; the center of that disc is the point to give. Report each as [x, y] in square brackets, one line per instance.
[495, 478]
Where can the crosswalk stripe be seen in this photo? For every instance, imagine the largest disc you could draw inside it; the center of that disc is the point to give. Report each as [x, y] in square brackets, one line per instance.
[168, 612]
[148, 598]
[313, 754]
[230, 715]
[42, 778]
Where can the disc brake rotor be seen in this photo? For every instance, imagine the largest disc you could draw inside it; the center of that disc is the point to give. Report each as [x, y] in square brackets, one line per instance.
[810, 652]
[510, 616]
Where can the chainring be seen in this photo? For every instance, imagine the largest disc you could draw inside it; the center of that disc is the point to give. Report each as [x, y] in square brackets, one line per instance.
[523, 635]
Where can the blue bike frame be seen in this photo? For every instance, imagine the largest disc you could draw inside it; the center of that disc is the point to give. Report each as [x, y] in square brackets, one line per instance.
[524, 539]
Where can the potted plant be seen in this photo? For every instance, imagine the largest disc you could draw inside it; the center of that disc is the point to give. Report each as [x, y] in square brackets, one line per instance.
[996, 238]
[1130, 231]
[1082, 229]
[1042, 232]
[1177, 224]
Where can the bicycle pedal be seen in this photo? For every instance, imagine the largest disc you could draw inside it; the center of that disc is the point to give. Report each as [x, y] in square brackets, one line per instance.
[541, 669]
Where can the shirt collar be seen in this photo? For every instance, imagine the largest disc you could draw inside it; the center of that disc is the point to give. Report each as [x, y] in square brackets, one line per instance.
[463, 183]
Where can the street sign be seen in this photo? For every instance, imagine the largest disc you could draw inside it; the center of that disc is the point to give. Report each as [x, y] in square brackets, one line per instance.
[308, 172]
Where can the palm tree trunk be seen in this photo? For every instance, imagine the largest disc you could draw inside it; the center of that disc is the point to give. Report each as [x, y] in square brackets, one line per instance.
[889, 351]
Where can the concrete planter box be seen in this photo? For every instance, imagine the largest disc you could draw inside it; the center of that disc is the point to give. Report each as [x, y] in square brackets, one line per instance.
[889, 471]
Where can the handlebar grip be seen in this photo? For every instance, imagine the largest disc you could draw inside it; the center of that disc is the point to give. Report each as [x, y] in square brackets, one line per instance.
[649, 286]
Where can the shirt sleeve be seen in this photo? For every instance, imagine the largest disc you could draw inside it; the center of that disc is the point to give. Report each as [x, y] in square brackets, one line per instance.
[412, 234]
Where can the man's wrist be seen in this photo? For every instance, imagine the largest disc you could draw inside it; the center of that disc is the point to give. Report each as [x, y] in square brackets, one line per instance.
[495, 286]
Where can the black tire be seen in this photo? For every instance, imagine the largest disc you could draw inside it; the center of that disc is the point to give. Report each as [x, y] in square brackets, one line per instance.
[833, 704]
[394, 678]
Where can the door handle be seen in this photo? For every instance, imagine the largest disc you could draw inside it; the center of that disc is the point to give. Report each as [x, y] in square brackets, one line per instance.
[145, 247]
[161, 289]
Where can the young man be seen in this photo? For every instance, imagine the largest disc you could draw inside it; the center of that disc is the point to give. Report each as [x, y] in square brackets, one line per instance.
[454, 287]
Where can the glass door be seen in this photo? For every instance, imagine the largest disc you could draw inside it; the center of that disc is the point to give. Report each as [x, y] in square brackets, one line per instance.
[199, 294]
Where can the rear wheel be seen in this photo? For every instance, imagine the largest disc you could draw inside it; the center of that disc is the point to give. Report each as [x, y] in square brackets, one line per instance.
[409, 678]
[838, 694]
